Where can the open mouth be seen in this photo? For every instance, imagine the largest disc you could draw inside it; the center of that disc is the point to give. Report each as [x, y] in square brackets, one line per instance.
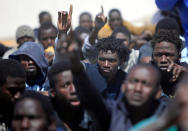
[163, 67]
[75, 101]
[31, 68]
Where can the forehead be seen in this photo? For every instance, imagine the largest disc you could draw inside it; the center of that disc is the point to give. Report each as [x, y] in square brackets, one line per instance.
[48, 31]
[143, 73]
[114, 14]
[108, 54]
[15, 80]
[28, 106]
[121, 35]
[85, 17]
[165, 46]
[64, 76]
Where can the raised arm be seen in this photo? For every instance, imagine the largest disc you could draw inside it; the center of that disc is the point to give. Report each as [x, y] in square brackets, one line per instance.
[90, 98]
[100, 21]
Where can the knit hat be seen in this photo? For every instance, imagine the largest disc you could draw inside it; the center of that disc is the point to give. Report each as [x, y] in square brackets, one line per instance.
[24, 30]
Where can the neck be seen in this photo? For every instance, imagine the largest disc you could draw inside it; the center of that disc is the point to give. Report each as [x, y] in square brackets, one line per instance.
[140, 113]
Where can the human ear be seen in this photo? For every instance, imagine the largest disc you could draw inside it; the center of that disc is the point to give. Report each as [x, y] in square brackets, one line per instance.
[52, 92]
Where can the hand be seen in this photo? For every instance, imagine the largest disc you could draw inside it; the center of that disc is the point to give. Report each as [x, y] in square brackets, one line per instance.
[64, 20]
[100, 19]
[49, 56]
[176, 69]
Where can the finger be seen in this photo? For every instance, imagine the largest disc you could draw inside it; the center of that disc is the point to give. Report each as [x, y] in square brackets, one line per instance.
[178, 73]
[174, 72]
[70, 11]
[59, 17]
[102, 10]
[64, 17]
[171, 65]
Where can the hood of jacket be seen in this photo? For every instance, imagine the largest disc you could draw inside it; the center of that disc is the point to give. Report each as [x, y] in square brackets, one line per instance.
[36, 52]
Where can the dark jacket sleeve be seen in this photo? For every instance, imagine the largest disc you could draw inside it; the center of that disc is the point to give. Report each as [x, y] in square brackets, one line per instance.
[92, 100]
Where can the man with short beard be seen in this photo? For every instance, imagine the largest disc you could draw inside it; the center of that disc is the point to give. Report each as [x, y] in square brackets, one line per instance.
[64, 98]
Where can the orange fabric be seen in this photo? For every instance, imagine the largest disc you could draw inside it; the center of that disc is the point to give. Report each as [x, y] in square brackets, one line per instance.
[107, 31]
[9, 43]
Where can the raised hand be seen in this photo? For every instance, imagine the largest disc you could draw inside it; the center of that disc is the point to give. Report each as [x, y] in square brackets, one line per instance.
[64, 20]
[176, 69]
[100, 19]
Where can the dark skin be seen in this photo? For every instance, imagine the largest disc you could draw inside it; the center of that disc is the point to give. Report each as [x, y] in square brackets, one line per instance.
[100, 21]
[64, 21]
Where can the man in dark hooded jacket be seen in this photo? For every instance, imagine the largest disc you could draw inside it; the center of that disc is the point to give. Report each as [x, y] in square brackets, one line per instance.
[31, 56]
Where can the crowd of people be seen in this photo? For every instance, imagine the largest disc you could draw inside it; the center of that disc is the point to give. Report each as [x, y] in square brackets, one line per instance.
[105, 75]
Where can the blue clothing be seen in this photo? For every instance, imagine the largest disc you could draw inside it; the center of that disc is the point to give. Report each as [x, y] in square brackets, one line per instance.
[36, 53]
[109, 90]
[109, 115]
[148, 121]
[182, 6]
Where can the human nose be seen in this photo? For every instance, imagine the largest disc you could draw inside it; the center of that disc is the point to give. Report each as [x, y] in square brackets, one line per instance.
[25, 123]
[72, 88]
[163, 58]
[106, 63]
[138, 87]
[17, 95]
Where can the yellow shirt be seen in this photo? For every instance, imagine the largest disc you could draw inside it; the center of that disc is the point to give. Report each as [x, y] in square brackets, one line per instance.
[107, 31]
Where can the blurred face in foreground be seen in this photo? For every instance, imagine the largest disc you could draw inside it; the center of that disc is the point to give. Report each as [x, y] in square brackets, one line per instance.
[140, 85]
[29, 116]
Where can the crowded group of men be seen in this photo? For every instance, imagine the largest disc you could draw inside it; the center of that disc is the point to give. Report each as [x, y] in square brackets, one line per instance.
[104, 75]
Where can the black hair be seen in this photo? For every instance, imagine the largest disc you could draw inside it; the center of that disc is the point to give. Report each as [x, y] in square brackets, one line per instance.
[85, 13]
[168, 36]
[149, 66]
[114, 45]
[45, 26]
[58, 68]
[168, 24]
[123, 30]
[114, 10]
[77, 32]
[44, 102]
[41, 14]
[12, 68]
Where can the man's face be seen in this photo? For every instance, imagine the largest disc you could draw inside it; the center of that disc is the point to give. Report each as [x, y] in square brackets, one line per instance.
[108, 63]
[65, 89]
[29, 116]
[47, 37]
[123, 37]
[115, 20]
[12, 89]
[25, 39]
[86, 21]
[29, 66]
[139, 86]
[163, 53]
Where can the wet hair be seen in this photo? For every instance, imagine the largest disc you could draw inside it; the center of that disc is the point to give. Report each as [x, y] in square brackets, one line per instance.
[12, 68]
[45, 26]
[149, 66]
[115, 46]
[168, 24]
[44, 101]
[123, 30]
[114, 10]
[41, 14]
[85, 13]
[168, 36]
[56, 69]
